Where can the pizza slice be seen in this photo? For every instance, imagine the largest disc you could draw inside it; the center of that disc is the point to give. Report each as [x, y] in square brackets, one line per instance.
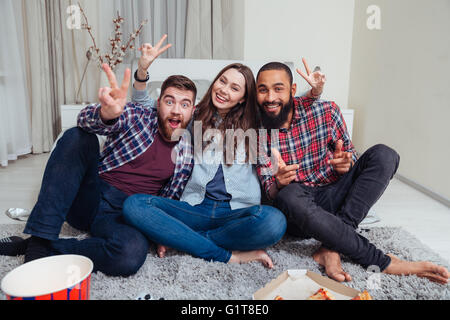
[322, 294]
[363, 296]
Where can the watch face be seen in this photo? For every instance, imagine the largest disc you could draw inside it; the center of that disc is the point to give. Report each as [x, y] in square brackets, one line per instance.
[138, 80]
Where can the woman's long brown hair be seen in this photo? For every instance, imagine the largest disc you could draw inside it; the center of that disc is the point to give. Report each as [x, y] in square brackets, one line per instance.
[243, 116]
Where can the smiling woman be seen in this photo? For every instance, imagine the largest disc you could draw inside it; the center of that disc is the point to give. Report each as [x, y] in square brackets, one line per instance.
[230, 102]
[228, 91]
[220, 216]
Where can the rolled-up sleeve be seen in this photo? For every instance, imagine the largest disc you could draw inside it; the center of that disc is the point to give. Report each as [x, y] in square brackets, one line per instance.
[143, 98]
[89, 119]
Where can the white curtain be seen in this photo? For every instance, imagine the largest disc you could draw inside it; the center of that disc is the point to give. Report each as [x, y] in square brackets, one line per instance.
[215, 29]
[15, 137]
[36, 43]
[164, 17]
[55, 56]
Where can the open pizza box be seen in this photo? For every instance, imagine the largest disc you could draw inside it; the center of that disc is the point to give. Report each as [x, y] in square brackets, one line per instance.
[300, 285]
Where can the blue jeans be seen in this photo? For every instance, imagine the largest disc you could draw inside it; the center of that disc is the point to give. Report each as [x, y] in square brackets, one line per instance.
[72, 191]
[210, 230]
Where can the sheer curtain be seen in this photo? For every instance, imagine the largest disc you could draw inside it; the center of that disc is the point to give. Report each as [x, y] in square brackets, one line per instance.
[55, 56]
[215, 29]
[36, 44]
[15, 137]
[164, 17]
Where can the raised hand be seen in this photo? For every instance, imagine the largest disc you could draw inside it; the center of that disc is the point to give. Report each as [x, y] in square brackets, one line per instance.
[285, 174]
[113, 99]
[315, 79]
[342, 161]
[150, 53]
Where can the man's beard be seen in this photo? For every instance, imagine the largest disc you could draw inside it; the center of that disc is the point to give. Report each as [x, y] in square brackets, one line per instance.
[278, 121]
[166, 130]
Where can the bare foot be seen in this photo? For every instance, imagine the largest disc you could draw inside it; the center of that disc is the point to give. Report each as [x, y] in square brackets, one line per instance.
[423, 269]
[249, 256]
[161, 251]
[331, 261]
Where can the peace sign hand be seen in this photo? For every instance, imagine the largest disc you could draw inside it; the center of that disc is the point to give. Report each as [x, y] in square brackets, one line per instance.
[150, 53]
[113, 99]
[316, 79]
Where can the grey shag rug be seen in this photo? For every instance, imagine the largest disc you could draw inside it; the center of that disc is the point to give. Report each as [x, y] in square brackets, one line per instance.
[182, 277]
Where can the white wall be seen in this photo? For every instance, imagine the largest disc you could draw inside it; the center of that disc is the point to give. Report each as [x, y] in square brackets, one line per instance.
[399, 86]
[320, 31]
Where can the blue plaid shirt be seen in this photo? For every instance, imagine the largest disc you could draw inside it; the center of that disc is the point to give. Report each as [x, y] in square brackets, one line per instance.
[131, 135]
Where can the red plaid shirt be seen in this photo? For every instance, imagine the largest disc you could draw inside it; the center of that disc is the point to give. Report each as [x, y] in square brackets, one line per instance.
[310, 142]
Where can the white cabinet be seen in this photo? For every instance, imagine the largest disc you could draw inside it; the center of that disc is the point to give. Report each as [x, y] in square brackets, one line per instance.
[348, 115]
[69, 115]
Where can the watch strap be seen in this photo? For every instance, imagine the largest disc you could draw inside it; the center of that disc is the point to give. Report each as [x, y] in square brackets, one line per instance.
[139, 80]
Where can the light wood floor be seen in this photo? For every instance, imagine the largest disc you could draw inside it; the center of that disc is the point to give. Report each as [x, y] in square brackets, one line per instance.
[401, 205]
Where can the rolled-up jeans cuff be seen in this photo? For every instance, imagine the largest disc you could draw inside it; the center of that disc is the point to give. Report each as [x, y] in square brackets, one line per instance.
[29, 229]
[382, 265]
[386, 262]
[227, 257]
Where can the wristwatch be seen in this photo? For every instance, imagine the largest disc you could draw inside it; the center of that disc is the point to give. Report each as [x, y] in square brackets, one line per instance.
[139, 80]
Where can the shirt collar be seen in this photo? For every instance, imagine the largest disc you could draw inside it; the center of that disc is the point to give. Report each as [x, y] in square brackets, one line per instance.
[218, 118]
[297, 107]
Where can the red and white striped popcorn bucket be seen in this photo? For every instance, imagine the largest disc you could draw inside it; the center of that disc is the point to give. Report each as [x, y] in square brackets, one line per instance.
[64, 277]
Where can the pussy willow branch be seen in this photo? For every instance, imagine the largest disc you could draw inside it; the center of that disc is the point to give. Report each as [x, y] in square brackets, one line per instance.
[89, 28]
[118, 50]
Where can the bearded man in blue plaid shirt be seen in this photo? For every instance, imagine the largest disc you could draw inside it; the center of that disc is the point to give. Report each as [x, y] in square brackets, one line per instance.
[87, 188]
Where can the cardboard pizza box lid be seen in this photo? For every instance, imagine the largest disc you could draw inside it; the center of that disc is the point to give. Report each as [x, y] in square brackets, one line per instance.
[300, 285]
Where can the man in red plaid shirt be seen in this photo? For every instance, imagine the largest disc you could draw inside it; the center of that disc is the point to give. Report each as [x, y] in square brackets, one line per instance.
[316, 179]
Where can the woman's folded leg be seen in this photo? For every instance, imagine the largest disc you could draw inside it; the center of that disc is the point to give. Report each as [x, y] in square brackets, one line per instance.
[252, 228]
[171, 223]
[247, 232]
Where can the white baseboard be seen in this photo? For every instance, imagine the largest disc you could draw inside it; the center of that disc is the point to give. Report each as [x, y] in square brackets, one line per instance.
[432, 194]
